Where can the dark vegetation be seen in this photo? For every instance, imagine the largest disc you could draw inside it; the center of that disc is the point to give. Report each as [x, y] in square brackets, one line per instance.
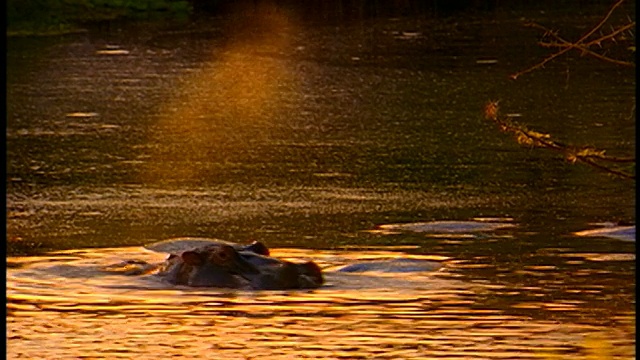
[50, 17]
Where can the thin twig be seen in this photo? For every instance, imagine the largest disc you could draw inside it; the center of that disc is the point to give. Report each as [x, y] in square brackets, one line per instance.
[540, 64]
[572, 154]
[608, 59]
[587, 51]
[607, 169]
[633, 112]
[612, 34]
[580, 45]
[613, 159]
[604, 20]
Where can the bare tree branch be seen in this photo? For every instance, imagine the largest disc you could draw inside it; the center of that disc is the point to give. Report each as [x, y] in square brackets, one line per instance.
[586, 154]
[581, 44]
[584, 48]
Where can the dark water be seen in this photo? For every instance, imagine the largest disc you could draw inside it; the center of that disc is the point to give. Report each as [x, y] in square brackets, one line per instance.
[309, 137]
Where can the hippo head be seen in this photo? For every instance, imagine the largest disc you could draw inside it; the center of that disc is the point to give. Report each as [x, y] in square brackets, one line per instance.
[216, 265]
[241, 267]
[309, 275]
[290, 276]
[276, 274]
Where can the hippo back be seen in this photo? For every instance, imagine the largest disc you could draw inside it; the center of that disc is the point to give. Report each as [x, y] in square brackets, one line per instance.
[177, 246]
[193, 262]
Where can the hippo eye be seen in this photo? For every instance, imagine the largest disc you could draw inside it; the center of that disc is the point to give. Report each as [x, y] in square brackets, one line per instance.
[223, 255]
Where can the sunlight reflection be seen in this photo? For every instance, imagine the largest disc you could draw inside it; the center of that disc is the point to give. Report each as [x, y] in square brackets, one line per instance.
[220, 108]
[412, 316]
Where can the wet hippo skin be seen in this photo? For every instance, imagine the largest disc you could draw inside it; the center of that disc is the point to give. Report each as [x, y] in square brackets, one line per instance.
[242, 267]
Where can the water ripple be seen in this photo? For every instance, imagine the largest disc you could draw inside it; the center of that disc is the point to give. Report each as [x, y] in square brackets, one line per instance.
[51, 305]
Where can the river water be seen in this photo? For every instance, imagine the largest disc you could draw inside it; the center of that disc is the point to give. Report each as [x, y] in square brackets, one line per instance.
[316, 139]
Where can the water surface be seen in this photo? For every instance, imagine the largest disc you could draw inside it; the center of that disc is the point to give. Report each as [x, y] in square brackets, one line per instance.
[309, 137]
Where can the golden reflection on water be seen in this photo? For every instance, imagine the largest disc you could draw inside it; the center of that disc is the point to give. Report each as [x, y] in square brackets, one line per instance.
[53, 309]
[226, 104]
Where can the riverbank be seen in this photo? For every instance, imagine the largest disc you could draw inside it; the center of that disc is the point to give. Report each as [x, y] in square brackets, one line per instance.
[31, 18]
[58, 17]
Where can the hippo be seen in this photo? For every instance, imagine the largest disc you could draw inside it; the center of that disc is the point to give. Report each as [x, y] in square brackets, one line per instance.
[205, 262]
[216, 263]
[220, 264]
[177, 246]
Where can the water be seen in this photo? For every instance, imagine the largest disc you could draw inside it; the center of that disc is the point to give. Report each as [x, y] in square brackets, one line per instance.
[309, 137]
[577, 307]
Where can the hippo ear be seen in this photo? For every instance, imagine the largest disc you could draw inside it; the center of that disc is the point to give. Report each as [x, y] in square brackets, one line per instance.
[258, 248]
[192, 258]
